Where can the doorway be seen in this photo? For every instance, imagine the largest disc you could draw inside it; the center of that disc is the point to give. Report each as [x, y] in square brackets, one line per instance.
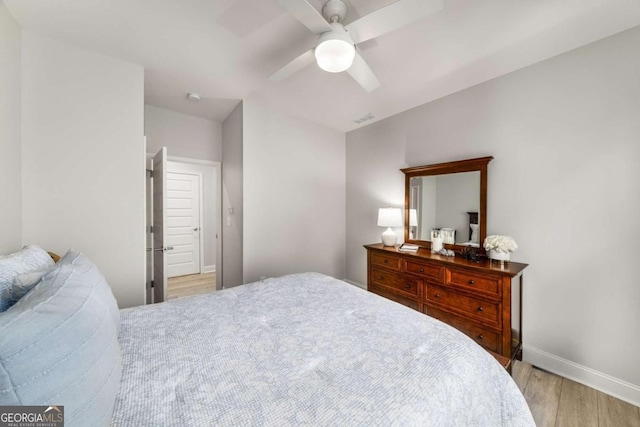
[184, 201]
[187, 215]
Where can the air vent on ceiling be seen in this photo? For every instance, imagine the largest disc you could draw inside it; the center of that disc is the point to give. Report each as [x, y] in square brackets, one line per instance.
[363, 119]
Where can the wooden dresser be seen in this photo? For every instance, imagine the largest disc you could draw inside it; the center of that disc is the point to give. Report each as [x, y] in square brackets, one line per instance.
[473, 297]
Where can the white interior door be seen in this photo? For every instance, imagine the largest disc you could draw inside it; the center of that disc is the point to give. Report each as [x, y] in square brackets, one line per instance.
[159, 226]
[183, 224]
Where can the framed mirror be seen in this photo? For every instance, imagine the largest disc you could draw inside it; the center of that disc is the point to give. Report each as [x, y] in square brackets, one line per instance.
[447, 201]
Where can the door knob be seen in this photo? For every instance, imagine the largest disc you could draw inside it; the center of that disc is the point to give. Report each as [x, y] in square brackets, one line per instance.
[196, 229]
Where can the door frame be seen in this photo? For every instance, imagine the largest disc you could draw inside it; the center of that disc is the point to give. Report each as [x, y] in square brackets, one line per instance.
[200, 207]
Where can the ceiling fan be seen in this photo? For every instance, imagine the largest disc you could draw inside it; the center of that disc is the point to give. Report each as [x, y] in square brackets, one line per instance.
[336, 48]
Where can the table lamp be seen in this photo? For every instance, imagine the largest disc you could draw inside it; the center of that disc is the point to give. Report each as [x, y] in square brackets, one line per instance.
[389, 217]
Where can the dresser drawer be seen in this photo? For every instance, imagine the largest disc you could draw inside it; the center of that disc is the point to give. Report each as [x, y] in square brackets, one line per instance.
[386, 261]
[484, 311]
[474, 297]
[384, 292]
[395, 281]
[485, 337]
[474, 282]
[432, 272]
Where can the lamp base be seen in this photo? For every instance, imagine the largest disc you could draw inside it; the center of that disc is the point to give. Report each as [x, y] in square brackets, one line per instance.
[389, 237]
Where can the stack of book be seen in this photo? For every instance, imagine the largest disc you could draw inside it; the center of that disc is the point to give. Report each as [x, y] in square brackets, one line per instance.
[406, 247]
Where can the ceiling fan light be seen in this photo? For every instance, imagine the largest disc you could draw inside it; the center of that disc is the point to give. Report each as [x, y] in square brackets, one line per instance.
[335, 55]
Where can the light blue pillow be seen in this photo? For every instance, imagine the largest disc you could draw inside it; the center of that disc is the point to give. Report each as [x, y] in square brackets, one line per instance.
[30, 258]
[24, 283]
[59, 344]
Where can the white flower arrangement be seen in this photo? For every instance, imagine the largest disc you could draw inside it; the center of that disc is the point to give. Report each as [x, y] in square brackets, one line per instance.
[503, 244]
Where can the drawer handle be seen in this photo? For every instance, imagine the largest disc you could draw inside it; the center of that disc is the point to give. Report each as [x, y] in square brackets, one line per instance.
[422, 270]
[480, 337]
[407, 286]
[437, 295]
[471, 282]
[385, 261]
[480, 309]
[380, 277]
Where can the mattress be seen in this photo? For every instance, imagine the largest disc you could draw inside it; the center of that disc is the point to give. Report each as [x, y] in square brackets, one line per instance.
[305, 349]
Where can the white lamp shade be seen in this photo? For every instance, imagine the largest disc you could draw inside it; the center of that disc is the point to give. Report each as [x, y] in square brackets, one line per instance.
[335, 56]
[389, 217]
[335, 51]
[413, 218]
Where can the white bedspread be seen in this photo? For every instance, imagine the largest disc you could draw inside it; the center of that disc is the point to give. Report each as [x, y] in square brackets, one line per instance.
[305, 349]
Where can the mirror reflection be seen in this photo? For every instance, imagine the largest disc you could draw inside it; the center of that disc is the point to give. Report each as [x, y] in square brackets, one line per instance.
[446, 206]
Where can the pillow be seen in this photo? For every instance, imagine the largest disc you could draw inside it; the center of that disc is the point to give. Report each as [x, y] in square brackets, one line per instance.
[24, 283]
[59, 344]
[30, 258]
[474, 233]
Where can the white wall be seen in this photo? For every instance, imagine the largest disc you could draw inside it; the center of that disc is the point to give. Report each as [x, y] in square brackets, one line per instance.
[565, 183]
[183, 135]
[83, 159]
[232, 170]
[294, 195]
[10, 134]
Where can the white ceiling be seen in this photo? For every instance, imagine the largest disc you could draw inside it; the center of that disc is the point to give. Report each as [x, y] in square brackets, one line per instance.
[225, 49]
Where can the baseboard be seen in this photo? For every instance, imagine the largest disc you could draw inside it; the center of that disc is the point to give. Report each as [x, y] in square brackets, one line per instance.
[209, 269]
[360, 285]
[615, 387]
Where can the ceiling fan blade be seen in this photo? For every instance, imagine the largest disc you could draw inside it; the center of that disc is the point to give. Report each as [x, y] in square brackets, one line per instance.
[294, 66]
[307, 14]
[361, 73]
[391, 17]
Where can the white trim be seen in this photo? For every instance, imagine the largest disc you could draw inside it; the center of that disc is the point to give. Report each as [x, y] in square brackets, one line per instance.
[218, 196]
[201, 219]
[187, 160]
[608, 384]
[192, 161]
[360, 285]
[209, 268]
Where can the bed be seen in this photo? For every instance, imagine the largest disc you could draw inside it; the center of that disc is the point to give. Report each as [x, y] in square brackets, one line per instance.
[303, 349]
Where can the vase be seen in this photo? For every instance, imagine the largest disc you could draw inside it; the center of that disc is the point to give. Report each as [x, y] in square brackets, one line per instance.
[436, 244]
[502, 257]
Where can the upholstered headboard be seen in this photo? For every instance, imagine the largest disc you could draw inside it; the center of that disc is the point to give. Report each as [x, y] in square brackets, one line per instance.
[55, 257]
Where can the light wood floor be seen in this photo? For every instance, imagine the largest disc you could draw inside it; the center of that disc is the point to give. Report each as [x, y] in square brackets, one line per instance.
[194, 284]
[557, 401]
